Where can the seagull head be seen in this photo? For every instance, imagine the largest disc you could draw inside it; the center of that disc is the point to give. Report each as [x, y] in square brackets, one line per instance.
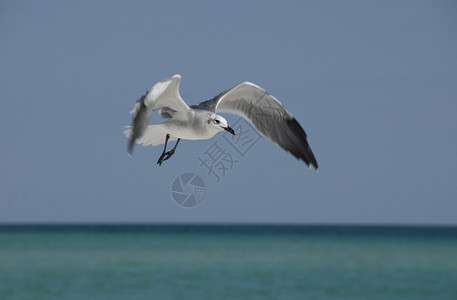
[219, 123]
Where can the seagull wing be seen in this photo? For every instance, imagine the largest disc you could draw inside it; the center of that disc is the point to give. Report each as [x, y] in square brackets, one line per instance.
[165, 96]
[267, 114]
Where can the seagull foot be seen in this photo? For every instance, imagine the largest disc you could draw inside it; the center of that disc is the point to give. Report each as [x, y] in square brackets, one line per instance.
[165, 156]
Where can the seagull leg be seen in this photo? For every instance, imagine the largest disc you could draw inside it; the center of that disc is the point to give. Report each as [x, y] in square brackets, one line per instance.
[161, 158]
[172, 151]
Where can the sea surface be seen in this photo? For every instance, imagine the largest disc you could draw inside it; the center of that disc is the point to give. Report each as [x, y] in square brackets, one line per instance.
[227, 262]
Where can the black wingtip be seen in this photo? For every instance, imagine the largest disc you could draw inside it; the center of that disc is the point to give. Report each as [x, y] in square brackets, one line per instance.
[313, 161]
[130, 148]
[305, 154]
[313, 165]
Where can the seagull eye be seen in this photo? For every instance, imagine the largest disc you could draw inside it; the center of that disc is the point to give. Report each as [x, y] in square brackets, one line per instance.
[217, 121]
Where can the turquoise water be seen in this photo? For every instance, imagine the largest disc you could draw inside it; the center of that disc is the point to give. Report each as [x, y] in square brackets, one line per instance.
[227, 262]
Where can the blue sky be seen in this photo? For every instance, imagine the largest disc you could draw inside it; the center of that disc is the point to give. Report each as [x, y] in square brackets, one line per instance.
[373, 83]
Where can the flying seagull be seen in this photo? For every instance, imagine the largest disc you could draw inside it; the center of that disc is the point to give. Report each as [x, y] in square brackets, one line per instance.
[201, 122]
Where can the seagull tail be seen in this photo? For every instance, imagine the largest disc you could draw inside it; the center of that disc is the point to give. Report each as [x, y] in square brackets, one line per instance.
[153, 135]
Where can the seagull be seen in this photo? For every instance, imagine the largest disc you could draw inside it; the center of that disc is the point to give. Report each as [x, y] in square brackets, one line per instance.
[202, 121]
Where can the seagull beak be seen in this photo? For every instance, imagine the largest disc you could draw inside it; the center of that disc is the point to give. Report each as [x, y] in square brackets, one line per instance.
[229, 130]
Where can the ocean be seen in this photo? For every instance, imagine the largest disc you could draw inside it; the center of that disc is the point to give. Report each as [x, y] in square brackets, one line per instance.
[227, 262]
